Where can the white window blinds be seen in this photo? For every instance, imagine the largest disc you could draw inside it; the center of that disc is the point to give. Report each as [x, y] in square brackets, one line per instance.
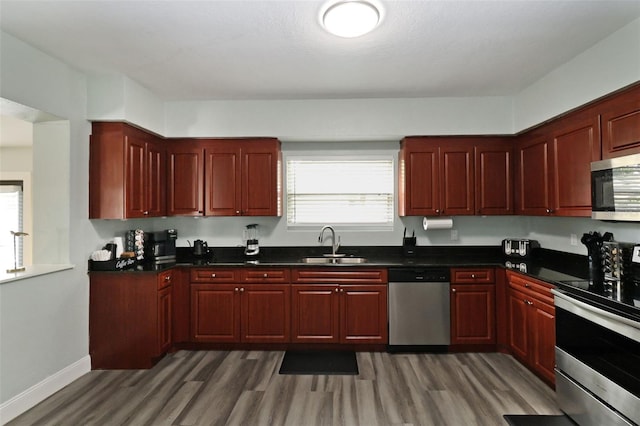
[340, 191]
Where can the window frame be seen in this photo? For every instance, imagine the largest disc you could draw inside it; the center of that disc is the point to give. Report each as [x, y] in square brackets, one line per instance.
[346, 155]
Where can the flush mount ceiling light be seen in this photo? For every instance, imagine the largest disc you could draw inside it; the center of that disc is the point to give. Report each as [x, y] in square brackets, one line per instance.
[350, 18]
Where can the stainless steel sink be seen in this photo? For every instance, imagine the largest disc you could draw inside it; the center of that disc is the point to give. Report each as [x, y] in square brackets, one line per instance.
[333, 260]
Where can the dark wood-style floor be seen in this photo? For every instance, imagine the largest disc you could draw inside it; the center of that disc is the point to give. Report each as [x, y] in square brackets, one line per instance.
[244, 388]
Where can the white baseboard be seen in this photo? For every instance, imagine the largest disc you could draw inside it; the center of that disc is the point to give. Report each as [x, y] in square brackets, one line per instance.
[41, 391]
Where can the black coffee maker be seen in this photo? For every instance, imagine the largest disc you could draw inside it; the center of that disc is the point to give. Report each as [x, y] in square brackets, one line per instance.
[160, 247]
[594, 241]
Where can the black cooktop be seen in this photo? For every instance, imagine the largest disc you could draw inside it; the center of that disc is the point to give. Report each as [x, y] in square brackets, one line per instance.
[622, 298]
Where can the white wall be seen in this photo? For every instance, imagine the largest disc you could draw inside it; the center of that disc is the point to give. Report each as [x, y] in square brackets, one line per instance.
[44, 320]
[339, 120]
[51, 170]
[611, 64]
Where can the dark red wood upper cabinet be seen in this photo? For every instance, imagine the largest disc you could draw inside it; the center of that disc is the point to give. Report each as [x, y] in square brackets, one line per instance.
[127, 167]
[419, 179]
[455, 176]
[575, 143]
[621, 124]
[554, 166]
[185, 179]
[242, 177]
[532, 174]
[435, 177]
[494, 176]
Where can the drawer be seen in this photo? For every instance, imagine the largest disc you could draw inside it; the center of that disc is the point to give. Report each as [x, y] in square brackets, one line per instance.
[211, 275]
[165, 279]
[530, 286]
[339, 276]
[261, 275]
[472, 275]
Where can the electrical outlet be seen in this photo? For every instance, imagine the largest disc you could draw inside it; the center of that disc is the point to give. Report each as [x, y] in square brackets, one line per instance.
[574, 240]
[454, 235]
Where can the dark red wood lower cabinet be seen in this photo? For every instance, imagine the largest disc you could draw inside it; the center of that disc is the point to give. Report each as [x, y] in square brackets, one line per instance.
[473, 314]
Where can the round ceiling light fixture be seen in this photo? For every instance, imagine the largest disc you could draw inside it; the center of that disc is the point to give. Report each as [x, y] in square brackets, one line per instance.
[351, 18]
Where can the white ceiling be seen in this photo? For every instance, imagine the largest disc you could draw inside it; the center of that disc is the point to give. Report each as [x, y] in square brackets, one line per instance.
[270, 49]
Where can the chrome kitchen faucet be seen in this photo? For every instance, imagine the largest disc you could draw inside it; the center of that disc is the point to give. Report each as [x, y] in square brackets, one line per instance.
[336, 244]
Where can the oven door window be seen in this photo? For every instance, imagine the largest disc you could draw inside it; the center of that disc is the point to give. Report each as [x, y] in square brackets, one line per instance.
[609, 353]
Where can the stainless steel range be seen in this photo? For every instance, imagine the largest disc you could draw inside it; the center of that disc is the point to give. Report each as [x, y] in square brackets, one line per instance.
[598, 352]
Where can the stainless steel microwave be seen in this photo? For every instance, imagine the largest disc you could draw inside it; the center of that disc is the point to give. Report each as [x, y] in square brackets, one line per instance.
[615, 188]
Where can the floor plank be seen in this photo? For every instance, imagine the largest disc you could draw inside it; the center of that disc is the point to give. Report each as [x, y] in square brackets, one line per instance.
[244, 388]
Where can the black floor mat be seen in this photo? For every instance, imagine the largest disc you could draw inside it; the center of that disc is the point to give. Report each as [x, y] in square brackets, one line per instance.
[537, 420]
[319, 362]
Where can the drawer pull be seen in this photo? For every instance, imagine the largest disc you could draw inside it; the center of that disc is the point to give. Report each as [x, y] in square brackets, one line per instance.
[526, 285]
[167, 278]
[236, 289]
[266, 275]
[213, 275]
[473, 275]
[241, 289]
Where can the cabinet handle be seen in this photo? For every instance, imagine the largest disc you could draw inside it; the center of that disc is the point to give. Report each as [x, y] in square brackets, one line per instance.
[341, 290]
[336, 290]
[241, 289]
[550, 211]
[199, 211]
[235, 289]
[213, 275]
[238, 212]
[453, 290]
[167, 278]
[266, 275]
[145, 213]
[526, 285]
[473, 276]
[437, 211]
[528, 302]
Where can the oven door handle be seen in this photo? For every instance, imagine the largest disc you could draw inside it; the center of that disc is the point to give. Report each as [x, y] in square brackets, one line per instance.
[617, 323]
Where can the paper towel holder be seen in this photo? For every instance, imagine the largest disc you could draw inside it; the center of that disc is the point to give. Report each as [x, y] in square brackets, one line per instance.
[434, 223]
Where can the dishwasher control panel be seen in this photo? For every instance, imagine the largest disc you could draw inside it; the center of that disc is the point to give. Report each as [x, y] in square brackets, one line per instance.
[434, 274]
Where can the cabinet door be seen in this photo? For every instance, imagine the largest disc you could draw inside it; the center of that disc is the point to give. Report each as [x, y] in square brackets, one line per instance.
[165, 319]
[575, 144]
[156, 178]
[533, 197]
[222, 178]
[363, 314]
[419, 180]
[494, 177]
[266, 313]
[473, 314]
[456, 178]
[135, 166]
[315, 313]
[543, 340]
[260, 189]
[621, 124]
[185, 181]
[518, 325]
[215, 312]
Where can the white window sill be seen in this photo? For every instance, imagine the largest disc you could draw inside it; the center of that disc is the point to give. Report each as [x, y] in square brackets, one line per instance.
[32, 271]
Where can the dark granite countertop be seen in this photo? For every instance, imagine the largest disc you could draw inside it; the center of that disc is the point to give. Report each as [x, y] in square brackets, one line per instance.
[547, 265]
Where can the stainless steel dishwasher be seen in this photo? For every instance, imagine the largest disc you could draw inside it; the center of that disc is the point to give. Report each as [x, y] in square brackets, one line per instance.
[419, 309]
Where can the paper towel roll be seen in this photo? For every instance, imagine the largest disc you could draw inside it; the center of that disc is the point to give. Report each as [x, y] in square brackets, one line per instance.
[429, 223]
[119, 246]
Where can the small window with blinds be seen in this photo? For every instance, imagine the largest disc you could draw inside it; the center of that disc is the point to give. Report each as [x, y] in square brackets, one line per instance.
[11, 201]
[340, 191]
